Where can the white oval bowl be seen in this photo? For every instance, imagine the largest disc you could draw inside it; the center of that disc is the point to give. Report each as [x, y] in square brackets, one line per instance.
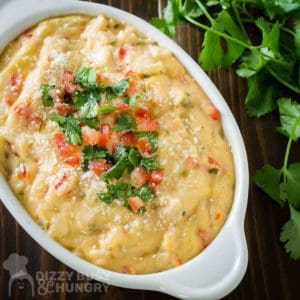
[221, 266]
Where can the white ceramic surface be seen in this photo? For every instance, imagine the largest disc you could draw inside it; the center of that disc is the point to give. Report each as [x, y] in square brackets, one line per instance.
[217, 270]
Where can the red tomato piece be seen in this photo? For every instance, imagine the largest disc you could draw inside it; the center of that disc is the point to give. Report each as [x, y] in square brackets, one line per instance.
[73, 161]
[127, 137]
[143, 145]
[123, 106]
[64, 108]
[136, 203]
[99, 78]
[138, 177]
[146, 124]
[214, 114]
[105, 135]
[64, 148]
[131, 88]
[212, 161]
[142, 112]
[91, 136]
[98, 166]
[155, 177]
[122, 52]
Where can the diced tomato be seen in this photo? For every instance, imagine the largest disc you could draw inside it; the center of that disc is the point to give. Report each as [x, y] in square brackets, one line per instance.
[22, 171]
[99, 78]
[212, 161]
[61, 181]
[64, 148]
[191, 162]
[91, 136]
[141, 112]
[178, 261]
[155, 177]
[146, 124]
[131, 88]
[214, 114]
[136, 203]
[68, 81]
[105, 135]
[57, 95]
[24, 112]
[68, 77]
[123, 106]
[101, 138]
[122, 52]
[73, 161]
[14, 88]
[127, 137]
[98, 166]
[203, 237]
[128, 270]
[64, 108]
[138, 177]
[218, 216]
[130, 73]
[143, 145]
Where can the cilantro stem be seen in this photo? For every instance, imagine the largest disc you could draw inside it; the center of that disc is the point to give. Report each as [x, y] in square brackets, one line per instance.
[237, 16]
[282, 81]
[288, 149]
[224, 35]
[206, 13]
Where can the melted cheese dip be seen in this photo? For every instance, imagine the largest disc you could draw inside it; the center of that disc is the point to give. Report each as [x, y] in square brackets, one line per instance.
[196, 194]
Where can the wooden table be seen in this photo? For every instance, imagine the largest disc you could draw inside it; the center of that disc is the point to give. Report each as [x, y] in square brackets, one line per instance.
[270, 275]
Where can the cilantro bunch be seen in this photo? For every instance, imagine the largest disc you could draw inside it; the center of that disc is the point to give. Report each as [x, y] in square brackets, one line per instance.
[269, 60]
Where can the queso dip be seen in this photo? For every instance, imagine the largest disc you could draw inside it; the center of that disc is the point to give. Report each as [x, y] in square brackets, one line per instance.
[111, 146]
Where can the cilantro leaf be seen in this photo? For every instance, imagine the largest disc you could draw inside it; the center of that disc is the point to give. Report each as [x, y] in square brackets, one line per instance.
[87, 77]
[145, 192]
[81, 98]
[261, 101]
[134, 157]
[213, 54]
[296, 21]
[124, 122]
[292, 186]
[290, 234]
[163, 26]
[289, 118]
[191, 9]
[92, 122]
[69, 126]
[152, 138]
[106, 108]
[46, 98]
[92, 153]
[89, 109]
[117, 170]
[268, 179]
[150, 163]
[118, 89]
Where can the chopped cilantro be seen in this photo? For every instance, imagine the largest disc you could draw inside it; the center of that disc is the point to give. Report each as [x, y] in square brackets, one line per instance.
[150, 163]
[124, 122]
[87, 78]
[92, 122]
[117, 170]
[152, 138]
[118, 89]
[69, 126]
[46, 98]
[106, 108]
[89, 109]
[92, 153]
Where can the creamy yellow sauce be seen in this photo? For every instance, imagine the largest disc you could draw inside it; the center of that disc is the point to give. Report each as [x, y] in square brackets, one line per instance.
[195, 197]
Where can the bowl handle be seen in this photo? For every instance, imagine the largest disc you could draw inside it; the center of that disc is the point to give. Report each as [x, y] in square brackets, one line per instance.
[214, 273]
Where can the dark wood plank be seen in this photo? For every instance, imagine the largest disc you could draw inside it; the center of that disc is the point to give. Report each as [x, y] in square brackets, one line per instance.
[270, 275]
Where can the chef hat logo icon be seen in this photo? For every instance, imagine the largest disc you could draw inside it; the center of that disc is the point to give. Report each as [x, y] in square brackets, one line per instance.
[16, 266]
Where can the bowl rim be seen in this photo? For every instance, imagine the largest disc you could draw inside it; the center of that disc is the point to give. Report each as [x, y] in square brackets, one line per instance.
[34, 11]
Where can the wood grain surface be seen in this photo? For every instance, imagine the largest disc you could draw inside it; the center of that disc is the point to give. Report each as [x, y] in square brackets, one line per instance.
[270, 275]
